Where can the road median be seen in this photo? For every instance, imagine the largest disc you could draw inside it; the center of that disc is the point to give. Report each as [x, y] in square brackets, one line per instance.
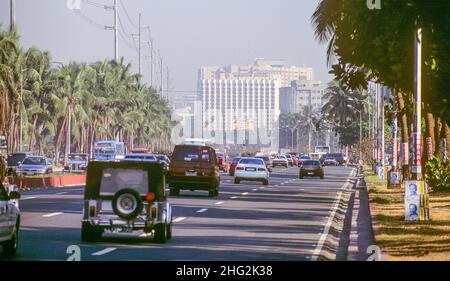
[50, 181]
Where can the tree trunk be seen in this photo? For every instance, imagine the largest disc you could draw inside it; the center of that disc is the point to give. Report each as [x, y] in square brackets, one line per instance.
[447, 140]
[437, 136]
[402, 117]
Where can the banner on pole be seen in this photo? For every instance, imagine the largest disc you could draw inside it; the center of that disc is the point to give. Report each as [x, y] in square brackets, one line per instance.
[405, 153]
[416, 201]
[429, 148]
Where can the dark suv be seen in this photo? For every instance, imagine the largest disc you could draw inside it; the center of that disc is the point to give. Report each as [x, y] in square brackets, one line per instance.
[194, 167]
[339, 157]
[14, 161]
[126, 196]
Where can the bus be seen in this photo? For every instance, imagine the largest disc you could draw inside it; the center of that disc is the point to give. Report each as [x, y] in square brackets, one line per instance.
[321, 149]
[109, 150]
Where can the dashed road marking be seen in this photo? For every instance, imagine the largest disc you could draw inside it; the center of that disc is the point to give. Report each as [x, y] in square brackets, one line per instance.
[202, 210]
[179, 219]
[234, 197]
[244, 193]
[61, 193]
[104, 251]
[254, 189]
[219, 203]
[27, 198]
[52, 214]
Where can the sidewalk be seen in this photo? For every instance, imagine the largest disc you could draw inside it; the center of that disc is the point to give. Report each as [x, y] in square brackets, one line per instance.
[361, 234]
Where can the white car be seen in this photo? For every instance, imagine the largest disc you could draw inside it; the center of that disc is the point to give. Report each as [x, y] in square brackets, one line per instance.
[146, 157]
[9, 220]
[252, 169]
[280, 160]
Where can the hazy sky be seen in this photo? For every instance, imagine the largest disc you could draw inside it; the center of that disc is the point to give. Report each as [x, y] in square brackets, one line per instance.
[188, 33]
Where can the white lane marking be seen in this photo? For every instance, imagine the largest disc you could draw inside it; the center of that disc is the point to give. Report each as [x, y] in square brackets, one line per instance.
[26, 198]
[179, 219]
[262, 187]
[282, 183]
[202, 210]
[145, 234]
[254, 189]
[244, 193]
[219, 203]
[52, 214]
[61, 193]
[234, 197]
[104, 251]
[326, 230]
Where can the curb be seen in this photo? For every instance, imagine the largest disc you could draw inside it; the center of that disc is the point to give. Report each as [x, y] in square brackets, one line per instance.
[49, 182]
[332, 242]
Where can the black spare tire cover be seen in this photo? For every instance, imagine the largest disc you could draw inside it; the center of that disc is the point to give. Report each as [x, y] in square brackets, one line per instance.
[127, 203]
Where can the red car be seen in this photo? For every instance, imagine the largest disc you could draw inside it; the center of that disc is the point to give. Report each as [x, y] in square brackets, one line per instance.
[233, 165]
[222, 158]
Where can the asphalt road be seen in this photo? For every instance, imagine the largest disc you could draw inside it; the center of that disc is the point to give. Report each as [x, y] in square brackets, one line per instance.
[249, 221]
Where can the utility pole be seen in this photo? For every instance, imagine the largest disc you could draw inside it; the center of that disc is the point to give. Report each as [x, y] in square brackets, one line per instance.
[416, 168]
[12, 7]
[382, 126]
[140, 46]
[161, 72]
[116, 31]
[151, 62]
[167, 83]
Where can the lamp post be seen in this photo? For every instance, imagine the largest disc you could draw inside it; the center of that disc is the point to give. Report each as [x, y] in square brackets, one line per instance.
[360, 130]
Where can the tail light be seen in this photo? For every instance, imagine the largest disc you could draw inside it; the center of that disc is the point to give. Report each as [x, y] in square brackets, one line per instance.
[92, 208]
[239, 168]
[261, 169]
[150, 197]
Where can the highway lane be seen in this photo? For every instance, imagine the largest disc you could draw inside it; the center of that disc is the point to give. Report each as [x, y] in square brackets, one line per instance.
[249, 221]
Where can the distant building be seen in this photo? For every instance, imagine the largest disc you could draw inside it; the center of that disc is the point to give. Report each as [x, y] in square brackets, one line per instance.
[240, 111]
[301, 93]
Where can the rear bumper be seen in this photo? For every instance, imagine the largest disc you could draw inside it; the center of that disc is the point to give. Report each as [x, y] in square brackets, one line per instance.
[251, 175]
[280, 164]
[186, 182]
[311, 173]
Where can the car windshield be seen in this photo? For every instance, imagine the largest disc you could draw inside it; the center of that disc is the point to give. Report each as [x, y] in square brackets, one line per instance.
[191, 153]
[14, 159]
[252, 161]
[311, 163]
[77, 157]
[280, 157]
[264, 158]
[235, 160]
[115, 179]
[34, 161]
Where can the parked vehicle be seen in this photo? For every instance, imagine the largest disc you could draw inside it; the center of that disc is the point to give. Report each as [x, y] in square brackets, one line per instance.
[35, 165]
[140, 157]
[139, 150]
[233, 165]
[194, 167]
[9, 220]
[126, 196]
[14, 161]
[251, 169]
[311, 168]
[77, 162]
[163, 160]
[280, 160]
[109, 150]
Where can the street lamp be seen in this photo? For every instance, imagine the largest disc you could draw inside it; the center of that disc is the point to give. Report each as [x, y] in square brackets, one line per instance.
[360, 129]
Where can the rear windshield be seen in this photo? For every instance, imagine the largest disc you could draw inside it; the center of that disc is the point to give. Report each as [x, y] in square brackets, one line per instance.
[264, 158]
[77, 157]
[305, 157]
[192, 153]
[34, 161]
[114, 180]
[15, 158]
[251, 161]
[311, 163]
[141, 157]
[280, 157]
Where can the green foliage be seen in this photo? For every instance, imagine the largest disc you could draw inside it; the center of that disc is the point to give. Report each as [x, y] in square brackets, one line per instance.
[437, 175]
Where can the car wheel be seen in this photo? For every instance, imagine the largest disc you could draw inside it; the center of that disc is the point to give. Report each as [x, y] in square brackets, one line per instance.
[10, 247]
[127, 203]
[174, 192]
[265, 182]
[90, 233]
[236, 181]
[161, 233]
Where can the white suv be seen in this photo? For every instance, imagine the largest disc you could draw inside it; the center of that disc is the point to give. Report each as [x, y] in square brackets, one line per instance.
[9, 220]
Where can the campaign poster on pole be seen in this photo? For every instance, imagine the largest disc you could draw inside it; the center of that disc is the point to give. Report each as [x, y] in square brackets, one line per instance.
[416, 201]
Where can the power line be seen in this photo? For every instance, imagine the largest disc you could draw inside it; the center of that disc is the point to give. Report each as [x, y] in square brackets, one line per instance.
[122, 33]
[94, 4]
[128, 16]
[89, 20]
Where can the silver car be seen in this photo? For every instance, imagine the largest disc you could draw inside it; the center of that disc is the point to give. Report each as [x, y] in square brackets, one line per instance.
[9, 220]
[35, 165]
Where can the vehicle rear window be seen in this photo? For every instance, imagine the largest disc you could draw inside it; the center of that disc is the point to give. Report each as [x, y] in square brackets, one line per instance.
[311, 163]
[115, 179]
[235, 160]
[192, 153]
[264, 158]
[34, 161]
[15, 158]
[252, 161]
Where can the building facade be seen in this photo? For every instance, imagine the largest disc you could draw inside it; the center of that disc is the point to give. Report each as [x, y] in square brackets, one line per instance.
[240, 111]
[301, 94]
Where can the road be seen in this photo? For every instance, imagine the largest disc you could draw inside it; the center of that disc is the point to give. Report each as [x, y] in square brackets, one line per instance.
[282, 221]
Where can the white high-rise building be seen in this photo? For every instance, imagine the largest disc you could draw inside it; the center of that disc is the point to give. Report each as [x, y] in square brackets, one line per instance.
[240, 111]
[301, 94]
